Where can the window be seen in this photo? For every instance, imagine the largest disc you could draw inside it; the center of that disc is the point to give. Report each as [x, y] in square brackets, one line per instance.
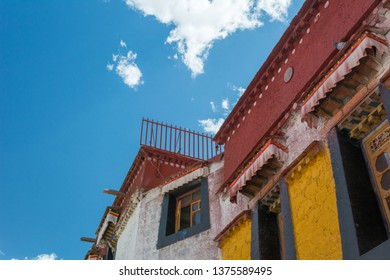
[266, 233]
[188, 210]
[377, 148]
[184, 213]
[353, 167]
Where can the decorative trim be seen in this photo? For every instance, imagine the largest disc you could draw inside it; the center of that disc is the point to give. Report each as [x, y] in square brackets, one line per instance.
[350, 107]
[385, 95]
[337, 73]
[94, 257]
[269, 150]
[365, 116]
[130, 177]
[367, 124]
[127, 213]
[183, 173]
[304, 160]
[380, 140]
[110, 217]
[313, 148]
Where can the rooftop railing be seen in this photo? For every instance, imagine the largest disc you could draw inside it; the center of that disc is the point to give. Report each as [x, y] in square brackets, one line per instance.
[178, 140]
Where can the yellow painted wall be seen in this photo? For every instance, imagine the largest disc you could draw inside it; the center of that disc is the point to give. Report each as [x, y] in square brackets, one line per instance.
[314, 210]
[237, 244]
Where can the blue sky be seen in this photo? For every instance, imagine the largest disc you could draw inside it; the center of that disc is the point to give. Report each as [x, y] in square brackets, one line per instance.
[76, 78]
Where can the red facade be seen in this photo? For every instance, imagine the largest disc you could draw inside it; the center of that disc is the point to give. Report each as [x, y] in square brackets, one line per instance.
[307, 47]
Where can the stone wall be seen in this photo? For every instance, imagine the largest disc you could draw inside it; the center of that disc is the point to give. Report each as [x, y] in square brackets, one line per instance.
[127, 244]
[143, 225]
[149, 224]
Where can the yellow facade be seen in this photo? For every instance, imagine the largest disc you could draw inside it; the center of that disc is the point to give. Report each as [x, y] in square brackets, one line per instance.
[314, 210]
[236, 245]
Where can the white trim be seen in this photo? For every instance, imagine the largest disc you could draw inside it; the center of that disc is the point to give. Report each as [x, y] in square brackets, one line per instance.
[339, 74]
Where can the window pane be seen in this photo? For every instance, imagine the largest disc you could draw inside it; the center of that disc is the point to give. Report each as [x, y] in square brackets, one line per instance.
[196, 218]
[195, 206]
[185, 214]
[382, 162]
[185, 200]
[196, 195]
[385, 181]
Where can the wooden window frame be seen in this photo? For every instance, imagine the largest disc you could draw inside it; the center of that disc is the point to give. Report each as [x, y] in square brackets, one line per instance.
[191, 202]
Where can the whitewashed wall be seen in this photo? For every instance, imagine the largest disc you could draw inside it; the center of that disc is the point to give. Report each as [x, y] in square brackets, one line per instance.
[139, 239]
[127, 244]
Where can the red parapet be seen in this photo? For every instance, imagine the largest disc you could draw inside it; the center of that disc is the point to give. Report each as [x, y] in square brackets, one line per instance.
[178, 140]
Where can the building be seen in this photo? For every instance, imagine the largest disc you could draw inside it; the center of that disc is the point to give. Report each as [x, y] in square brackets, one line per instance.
[167, 207]
[302, 169]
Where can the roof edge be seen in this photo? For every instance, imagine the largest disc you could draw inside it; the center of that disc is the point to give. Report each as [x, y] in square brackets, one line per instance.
[290, 33]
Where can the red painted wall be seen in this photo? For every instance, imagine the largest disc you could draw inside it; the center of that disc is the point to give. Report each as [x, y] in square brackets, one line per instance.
[334, 24]
[149, 177]
[151, 173]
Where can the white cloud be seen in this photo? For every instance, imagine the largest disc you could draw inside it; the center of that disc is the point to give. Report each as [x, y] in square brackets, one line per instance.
[126, 67]
[123, 44]
[213, 108]
[211, 125]
[240, 90]
[46, 257]
[225, 104]
[276, 9]
[128, 70]
[199, 23]
[43, 257]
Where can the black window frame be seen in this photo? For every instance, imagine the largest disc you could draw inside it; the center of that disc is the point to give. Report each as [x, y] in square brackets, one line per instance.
[362, 228]
[167, 234]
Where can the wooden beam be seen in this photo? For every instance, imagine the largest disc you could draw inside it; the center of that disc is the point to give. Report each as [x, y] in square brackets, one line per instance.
[259, 180]
[314, 147]
[88, 239]
[268, 187]
[349, 107]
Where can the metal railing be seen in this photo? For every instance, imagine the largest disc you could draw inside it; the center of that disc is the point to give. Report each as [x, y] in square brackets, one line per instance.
[178, 140]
